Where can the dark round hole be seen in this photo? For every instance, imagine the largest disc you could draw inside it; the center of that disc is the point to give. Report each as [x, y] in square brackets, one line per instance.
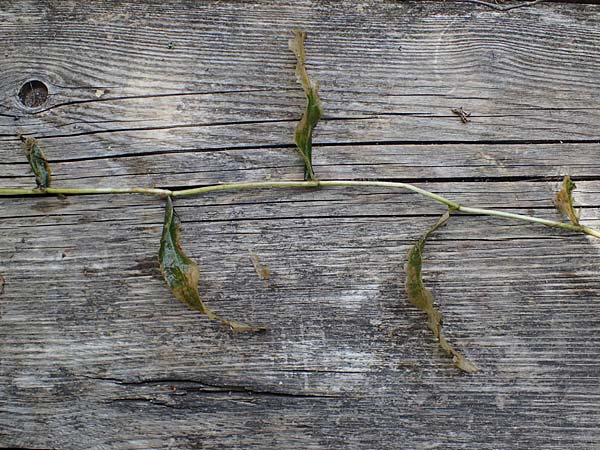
[33, 93]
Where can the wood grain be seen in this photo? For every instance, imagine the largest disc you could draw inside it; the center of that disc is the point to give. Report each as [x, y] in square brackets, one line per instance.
[95, 352]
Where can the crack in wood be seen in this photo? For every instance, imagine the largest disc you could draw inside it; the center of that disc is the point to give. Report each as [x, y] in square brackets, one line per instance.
[193, 385]
[147, 96]
[499, 7]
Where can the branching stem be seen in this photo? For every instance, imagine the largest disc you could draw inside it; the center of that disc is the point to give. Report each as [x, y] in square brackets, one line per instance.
[306, 184]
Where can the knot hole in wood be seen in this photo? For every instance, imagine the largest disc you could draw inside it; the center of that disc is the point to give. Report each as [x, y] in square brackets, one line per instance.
[33, 94]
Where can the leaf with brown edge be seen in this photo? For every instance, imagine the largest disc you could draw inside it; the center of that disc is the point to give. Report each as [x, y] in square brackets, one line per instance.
[564, 200]
[304, 130]
[38, 162]
[422, 298]
[182, 274]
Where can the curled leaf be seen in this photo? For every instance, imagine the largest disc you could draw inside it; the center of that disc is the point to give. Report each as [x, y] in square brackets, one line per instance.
[38, 162]
[312, 113]
[422, 298]
[182, 274]
[564, 200]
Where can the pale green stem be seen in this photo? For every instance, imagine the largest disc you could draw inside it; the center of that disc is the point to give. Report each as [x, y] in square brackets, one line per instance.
[82, 191]
[524, 218]
[323, 183]
[307, 184]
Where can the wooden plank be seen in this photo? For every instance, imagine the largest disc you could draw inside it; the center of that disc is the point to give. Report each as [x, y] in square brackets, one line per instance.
[209, 77]
[491, 162]
[109, 340]
[95, 352]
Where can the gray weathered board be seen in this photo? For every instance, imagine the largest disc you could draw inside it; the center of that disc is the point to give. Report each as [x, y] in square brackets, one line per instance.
[96, 353]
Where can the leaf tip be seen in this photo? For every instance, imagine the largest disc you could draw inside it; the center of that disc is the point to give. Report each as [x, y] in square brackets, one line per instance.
[464, 364]
[296, 44]
[240, 327]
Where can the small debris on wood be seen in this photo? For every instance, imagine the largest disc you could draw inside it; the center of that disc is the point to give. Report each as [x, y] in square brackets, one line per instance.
[99, 93]
[2, 282]
[262, 270]
[464, 115]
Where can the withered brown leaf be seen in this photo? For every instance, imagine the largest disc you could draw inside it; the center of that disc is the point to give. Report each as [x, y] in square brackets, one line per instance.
[564, 200]
[422, 298]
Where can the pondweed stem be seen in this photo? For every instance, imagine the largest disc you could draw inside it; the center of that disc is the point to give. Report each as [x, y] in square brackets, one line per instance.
[304, 184]
[85, 191]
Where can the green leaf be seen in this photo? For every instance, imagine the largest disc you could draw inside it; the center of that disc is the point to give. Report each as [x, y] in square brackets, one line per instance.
[182, 274]
[422, 298]
[312, 113]
[39, 164]
[564, 200]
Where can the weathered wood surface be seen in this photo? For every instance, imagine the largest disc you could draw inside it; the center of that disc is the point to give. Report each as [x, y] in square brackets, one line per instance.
[95, 352]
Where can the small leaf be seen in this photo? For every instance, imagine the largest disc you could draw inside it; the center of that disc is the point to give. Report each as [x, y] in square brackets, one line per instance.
[37, 161]
[564, 200]
[313, 111]
[422, 298]
[182, 274]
